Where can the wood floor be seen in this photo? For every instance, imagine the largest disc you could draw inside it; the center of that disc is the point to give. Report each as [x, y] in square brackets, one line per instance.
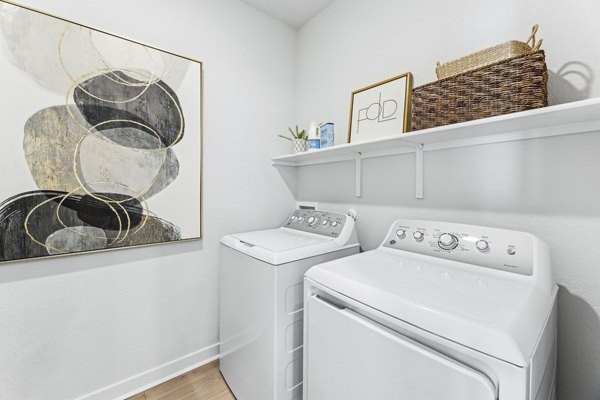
[204, 383]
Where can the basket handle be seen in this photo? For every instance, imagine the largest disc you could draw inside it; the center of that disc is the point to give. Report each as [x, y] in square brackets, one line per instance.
[531, 40]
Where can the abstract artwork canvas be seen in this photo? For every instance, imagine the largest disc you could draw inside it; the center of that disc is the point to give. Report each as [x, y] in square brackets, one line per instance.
[101, 139]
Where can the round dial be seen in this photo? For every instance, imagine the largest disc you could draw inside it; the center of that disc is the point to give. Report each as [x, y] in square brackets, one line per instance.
[312, 220]
[335, 224]
[448, 241]
[401, 233]
[482, 245]
[300, 219]
[293, 218]
[325, 222]
[418, 236]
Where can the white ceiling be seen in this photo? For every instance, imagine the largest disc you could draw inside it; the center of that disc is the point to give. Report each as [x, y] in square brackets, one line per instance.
[294, 13]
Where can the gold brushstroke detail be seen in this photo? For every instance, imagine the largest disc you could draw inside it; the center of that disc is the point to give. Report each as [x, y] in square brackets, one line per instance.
[26, 222]
[99, 72]
[65, 69]
[92, 130]
[113, 240]
[153, 78]
[107, 200]
[113, 210]
[81, 181]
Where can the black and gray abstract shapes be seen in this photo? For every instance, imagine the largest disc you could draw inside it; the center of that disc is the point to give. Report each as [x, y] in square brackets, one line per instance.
[116, 100]
[101, 156]
[125, 159]
[110, 211]
[38, 223]
[76, 238]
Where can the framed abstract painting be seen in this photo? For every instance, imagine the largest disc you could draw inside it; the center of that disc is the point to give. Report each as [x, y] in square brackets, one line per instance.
[101, 139]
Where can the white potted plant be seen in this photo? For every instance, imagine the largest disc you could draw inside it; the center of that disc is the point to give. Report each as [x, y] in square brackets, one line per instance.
[299, 140]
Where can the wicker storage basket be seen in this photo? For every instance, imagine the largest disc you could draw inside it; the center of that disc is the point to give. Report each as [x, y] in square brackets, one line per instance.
[516, 84]
[489, 56]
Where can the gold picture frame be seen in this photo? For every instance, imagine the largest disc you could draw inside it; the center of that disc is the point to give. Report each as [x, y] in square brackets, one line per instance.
[199, 133]
[380, 122]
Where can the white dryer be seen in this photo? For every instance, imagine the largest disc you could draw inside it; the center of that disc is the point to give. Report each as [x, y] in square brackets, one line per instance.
[261, 300]
[439, 311]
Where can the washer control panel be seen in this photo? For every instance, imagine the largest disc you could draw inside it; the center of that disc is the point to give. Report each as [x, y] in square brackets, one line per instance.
[319, 222]
[487, 247]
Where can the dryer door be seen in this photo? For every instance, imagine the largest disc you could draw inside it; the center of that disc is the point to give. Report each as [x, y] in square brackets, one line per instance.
[350, 357]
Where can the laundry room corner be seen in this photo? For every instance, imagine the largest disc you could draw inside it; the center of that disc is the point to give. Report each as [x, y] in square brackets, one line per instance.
[546, 186]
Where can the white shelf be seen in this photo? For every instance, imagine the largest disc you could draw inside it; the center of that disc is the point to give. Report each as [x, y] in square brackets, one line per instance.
[565, 119]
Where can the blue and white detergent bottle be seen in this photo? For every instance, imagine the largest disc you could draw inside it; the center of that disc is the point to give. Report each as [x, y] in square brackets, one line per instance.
[327, 135]
[314, 139]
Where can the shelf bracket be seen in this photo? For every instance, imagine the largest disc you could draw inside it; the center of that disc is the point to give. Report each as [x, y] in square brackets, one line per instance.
[419, 171]
[358, 175]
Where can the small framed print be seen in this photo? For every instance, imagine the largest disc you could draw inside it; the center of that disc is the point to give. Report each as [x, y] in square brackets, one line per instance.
[381, 109]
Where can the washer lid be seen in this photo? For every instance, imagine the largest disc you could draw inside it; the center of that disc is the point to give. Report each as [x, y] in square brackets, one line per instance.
[281, 245]
[279, 240]
[479, 308]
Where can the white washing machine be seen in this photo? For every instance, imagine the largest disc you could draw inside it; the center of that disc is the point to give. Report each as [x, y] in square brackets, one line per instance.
[261, 300]
[439, 311]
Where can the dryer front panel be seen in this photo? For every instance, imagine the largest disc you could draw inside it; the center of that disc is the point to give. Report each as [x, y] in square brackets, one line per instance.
[350, 357]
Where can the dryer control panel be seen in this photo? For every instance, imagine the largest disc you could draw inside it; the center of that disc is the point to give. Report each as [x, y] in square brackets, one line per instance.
[501, 249]
[319, 222]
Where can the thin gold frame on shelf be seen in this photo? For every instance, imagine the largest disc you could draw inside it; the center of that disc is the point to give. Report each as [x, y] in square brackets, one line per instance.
[407, 105]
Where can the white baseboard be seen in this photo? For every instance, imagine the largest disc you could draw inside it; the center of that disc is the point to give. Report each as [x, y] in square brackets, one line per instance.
[155, 376]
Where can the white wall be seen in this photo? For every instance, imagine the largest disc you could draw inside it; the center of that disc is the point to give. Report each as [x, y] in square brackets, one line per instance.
[101, 325]
[548, 186]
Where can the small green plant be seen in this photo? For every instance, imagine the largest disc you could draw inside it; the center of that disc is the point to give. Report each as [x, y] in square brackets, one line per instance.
[299, 134]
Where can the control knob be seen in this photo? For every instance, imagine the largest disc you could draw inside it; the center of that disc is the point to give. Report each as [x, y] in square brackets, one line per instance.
[335, 224]
[418, 236]
[482, 245]
[401, 233]
[447, 241]
[312, 220]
